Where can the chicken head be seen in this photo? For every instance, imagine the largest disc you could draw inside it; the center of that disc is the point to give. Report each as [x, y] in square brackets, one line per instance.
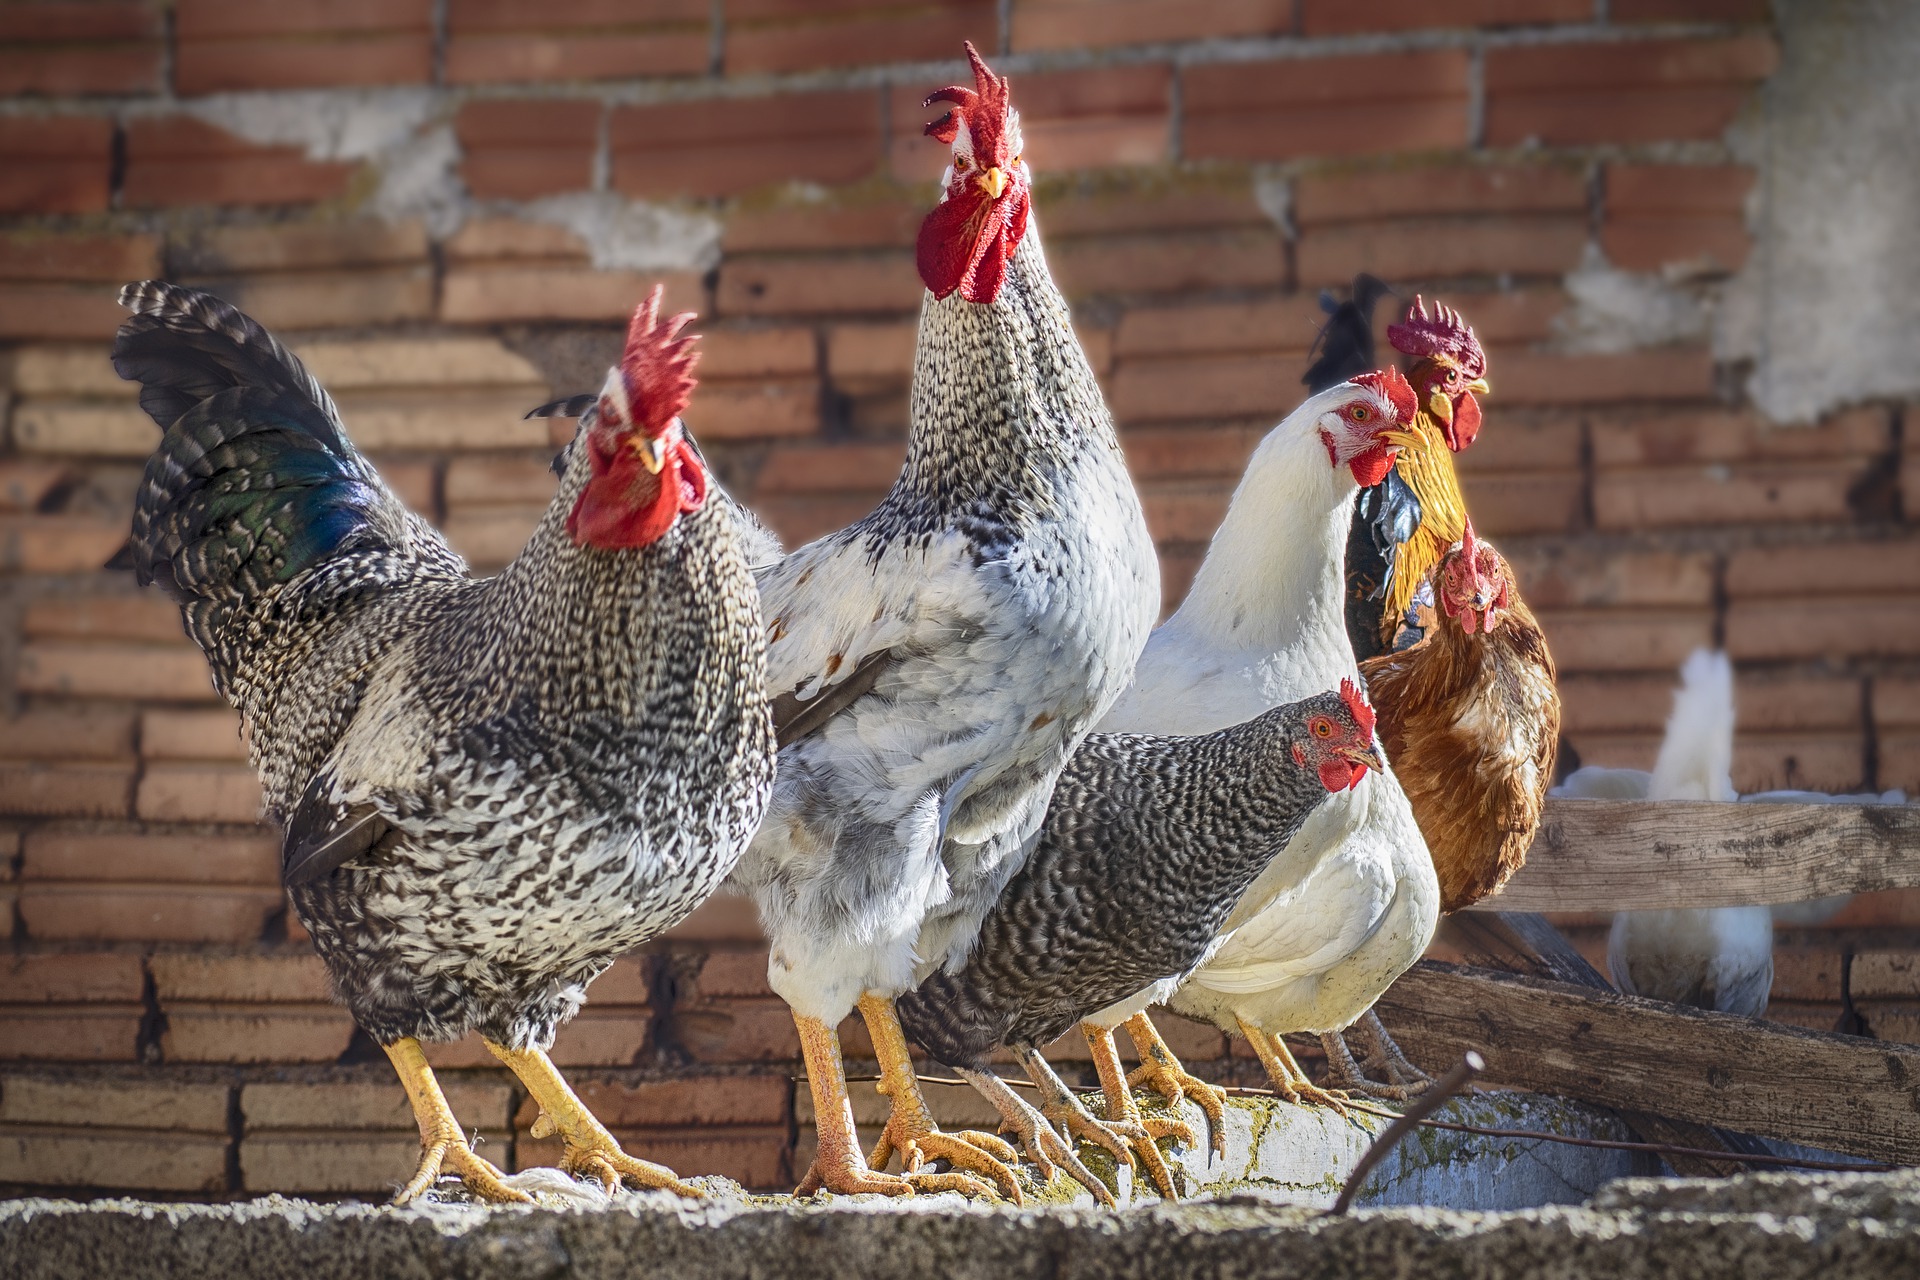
[1475, 584]
[1447, 369]
[985, 194]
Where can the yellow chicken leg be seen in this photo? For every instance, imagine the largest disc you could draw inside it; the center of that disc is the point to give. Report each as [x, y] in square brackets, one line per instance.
[911, 1130]
[838, 1165]
[1123, 1113]
[590, 1150]
[1287, 1075]
[443, 1147]
[1160, 1071]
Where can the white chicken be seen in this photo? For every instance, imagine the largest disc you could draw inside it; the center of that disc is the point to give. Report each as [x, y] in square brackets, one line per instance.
[1353, 900]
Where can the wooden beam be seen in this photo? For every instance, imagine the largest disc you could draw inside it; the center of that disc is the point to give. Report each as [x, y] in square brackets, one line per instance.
[1840, 1093]
[1639, 855]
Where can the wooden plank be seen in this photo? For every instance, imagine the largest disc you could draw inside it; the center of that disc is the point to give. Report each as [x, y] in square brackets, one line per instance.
[1840, 1093]
[1640, 855]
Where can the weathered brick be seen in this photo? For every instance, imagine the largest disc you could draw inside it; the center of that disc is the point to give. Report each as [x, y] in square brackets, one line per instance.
[55, 165]
[870, 223]
[1633, 91]
[67, 369]
[1186, 511]
[55, 852]
[482, 418]
[65, 790]
[491, 536]
[341, 1162]
[1548, 378]
[1624, 639]
[178, 160]
[738, 1030]
[602, 1037]
[1335, 17]
[1900, 759]
[1804, 760]
[375, 1104]
[772, 36]
[1896, 700]
[1373, 194]
[818, 285]
[520, 150]
[835, 468]
[71, 978]
[757, 352]
[1280, 110]
[488, 295]
[25, 484]
[146, 616]
[58, 543]
[753, 1156]
[1521, 502]
[1533, 443]
[37, 312]
[64, 50]
[240, 979]
[191, 735]
[255, 1033]
[1136, 264]
[715, 1100]
[67, 733]
[198, 793]
[496, 40]
[223, 45]
[1722, 435]
[723, 918]
[1884, 975]
[728, 146]
[1219, 204]
[82, 429]
[1442, 248]
[33, 254]
[1200, 387]
[329, 299]
[759, 409]
[1825, 568]
[1677, 496]
[1080, 24]
[107, 670]
[1830, 627]
[393, 362]
[195, 913]
[1688, 10]
[127, 1159]
[495, 480]
[1572, 575]
[69, 1033]
[114, 1101]
[1286, 324]
[486, 239]
[1167, 453]
[1088, 119]
[1615, 704]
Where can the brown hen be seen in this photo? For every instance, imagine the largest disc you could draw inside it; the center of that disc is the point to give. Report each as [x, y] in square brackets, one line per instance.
[1470, 718]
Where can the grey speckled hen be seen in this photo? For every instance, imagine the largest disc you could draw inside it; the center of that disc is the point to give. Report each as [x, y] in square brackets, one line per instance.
[491, 788]
[1148, 844]
[976, 624]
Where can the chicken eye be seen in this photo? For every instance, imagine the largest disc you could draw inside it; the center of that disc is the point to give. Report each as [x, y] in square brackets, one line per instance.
[1359, 413]
[1323, 728]
[960, 164]
[1453, 375]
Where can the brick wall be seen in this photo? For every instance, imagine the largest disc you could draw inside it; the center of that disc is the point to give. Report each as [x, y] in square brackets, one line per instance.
[432, 203]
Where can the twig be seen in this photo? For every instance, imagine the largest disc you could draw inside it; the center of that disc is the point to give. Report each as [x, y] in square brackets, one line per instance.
[1442, 1089]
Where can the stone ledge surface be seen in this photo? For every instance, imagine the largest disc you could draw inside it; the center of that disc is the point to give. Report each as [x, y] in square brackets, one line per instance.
[1775, 1225]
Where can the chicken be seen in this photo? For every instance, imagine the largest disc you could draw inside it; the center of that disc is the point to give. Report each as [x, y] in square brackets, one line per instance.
[936, 663]
[1403, 526]
[490, 788]
[1143, 855]
[1353, 900]
[1470, 718]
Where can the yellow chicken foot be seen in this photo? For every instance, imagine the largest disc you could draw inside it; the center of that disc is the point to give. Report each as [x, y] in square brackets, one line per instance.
[1061, 1107]
[443, 1147]
[1123, 1113]
[911, 1130]
[1404, 1080]
[590, 1149]
[1287, 1075]
[1045, 1147]
[838, 1166]
[1160, 1071]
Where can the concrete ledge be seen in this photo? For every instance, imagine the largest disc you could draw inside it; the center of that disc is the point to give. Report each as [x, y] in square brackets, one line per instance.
[1774, 1225]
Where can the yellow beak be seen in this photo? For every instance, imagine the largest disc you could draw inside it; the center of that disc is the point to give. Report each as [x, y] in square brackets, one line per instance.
[652, 451]
[1479, 387]
[1402, 439]
[993, 182]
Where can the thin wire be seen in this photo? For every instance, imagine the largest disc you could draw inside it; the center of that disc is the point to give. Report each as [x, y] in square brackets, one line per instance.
[1437, 1094]
[1564, 1139]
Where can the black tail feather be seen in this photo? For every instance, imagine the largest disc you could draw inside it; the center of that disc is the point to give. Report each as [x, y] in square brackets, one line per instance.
[1344, 348]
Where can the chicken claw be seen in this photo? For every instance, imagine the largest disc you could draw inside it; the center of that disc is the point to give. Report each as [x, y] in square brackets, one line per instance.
[1046, 1148]
[1123, 1113]
[443, 1146]
[1160, 1071]
[838, 1165]
[590, 1150]
[1289, 1079]
[1404, 1080]
[911, 1131]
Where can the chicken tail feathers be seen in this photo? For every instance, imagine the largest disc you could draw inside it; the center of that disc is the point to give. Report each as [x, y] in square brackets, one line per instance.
[1696, 756]
[1344, 348]
[1385, 516]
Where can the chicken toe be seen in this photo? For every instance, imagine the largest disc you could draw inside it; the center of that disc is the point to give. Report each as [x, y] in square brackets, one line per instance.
[838, 1166]
[591, 1151]
[443, 1146]
[1352, 1077]
[1123, 1114]
[1043, 1145]
[1288, 1077]
[911, 1131]
[1161, 1071]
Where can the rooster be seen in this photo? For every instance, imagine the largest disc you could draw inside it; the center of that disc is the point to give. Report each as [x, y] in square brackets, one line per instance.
[1470, 718]
[1142, 857]
[936, 663]
[490, 788]
[1353, 900]
[1403, 526]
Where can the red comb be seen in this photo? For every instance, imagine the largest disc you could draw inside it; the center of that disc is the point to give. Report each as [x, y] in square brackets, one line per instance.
[1469, 545]
[1441, 333]
[658, 365]
[985, 107]
[1391, 385]
[1357, 704]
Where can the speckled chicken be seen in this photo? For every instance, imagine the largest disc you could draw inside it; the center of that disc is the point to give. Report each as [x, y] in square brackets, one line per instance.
[490, 788]
[938, 661]
[1149, 842]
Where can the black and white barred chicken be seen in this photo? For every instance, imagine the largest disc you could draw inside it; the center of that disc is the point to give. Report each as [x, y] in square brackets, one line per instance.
[1149, 843]
[491, 788]
[938, 661]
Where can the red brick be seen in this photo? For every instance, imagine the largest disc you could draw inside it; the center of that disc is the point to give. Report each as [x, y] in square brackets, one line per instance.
[1624, 639]
[1634, 91]
[1097, 118]
[490, 537]
[1835, 626]
[1218, 453]
[759, 409]
[1825, 569]
[489, 295]
[729, 146]
[375, 1103]
[1185, 511]
[602, 1037]
[360, 242]
[723, 918]
[1336, 17]
[1369, 195]
[1832, 762]
[802, 519]
[177, 160]
[1198, 387]
[25, 484]
[1284, 324]
[329, 299]
[1688, 10]
[1670, 190]
[216, 19]
[1520, 502]
[59, 164]
[1301, 107]
[1572, 575]
[489, 239]
[1439, 248]
[754, 353]
[58, 543]
[127, 1159]
[777, 37]
[1681, 496]
[199, 793]
[62, 22]
[336, 1163]
[730, 972]
[870, 224]
[1549, 443]
[1168, 263]
[1792, 703]
[520, 150]
[255, 1033]
[69, 70]
[67, 733]
[53, 852]
[70, 1033]
[65, 790]
[71, 978]
[711, 1100]
[1220, 204]
[108, 259]
[818, 285]
[191, 735]
[1081, 24]
[496, 40]
[1615, 704]
[240, 979]
[147, 616]
[1719, 435]
[38, 312]
[315, 59]
[1538, 377]
[1896, 700]
[738, 1030]
[114, 1101]
[486, 480]
[1900, 760]
[835, 468]
[146, 912]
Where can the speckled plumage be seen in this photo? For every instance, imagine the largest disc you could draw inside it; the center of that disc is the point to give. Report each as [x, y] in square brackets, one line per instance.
[1149, 842]
[1010, 579]
[544, 768]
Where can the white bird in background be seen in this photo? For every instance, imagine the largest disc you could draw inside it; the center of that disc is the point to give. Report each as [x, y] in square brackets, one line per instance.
[1718, 957]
